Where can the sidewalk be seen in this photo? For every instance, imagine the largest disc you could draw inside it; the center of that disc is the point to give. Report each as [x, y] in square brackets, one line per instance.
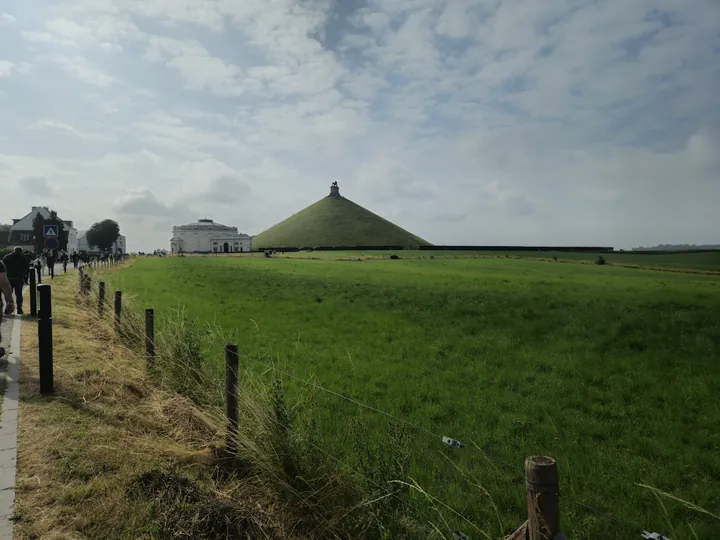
[9, 375]
[9, 398]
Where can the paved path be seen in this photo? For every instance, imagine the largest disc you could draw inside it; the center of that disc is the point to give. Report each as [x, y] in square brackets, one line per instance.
[10, 371]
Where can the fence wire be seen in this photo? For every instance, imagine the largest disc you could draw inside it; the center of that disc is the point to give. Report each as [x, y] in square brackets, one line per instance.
[444, 439]
[635, 528]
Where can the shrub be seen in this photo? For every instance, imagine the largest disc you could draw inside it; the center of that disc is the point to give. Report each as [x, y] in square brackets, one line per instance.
[600, 260]
[394, 257]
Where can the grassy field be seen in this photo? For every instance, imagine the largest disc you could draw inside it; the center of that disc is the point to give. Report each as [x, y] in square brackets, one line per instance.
[612, 371]
[704, 262]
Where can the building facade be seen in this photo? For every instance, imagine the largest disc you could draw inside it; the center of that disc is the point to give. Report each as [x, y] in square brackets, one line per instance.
[206, 236]
[22, 233]
[120, 245]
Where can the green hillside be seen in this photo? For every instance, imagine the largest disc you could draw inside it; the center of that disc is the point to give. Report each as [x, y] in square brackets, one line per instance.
[335, 221]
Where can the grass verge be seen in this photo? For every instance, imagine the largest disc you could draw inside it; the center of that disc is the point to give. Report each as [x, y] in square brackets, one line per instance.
[115, 453]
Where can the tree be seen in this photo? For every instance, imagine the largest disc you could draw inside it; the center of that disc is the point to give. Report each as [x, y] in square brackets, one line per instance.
[103, 234]
[4, 227]
[38, 225]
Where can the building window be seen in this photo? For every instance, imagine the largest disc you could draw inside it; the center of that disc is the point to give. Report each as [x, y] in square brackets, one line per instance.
[25, 237]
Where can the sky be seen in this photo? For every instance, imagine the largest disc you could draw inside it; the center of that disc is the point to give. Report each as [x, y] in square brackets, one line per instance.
[514, 122]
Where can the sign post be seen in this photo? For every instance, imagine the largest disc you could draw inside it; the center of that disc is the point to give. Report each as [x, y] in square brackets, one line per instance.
[51, 231]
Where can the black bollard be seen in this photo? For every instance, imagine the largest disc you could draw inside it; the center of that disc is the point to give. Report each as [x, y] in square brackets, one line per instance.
[39, 275]
[231, 398]
[101, 297]
[150, 336]
[45, 339]
[118, 310]
[33, 294]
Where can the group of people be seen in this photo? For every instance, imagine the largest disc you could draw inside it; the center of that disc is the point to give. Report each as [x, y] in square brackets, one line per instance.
[15, 271]
[16, 267]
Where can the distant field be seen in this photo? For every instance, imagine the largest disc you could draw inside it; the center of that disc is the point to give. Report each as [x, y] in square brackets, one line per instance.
[709, 261]
[612, 371]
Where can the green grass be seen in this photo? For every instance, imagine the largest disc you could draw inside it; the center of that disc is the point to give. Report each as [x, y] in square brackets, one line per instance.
[705, 262]
[612, 371]
[335, 221]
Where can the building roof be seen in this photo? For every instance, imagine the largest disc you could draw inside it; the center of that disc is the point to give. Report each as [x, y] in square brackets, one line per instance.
[206, 224]
[44, 211]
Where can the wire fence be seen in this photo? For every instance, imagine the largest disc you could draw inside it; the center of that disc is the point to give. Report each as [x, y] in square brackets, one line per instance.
[447, 440]
[635, 528]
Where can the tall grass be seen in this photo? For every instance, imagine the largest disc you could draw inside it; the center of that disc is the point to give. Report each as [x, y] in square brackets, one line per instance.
[512, 357]
[280, 460]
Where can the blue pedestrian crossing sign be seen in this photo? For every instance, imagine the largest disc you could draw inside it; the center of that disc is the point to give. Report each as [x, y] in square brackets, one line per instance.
[50, 231]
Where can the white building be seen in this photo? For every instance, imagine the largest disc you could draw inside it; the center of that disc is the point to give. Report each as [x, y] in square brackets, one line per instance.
[22, 233]
[120, 245]
[206, 236]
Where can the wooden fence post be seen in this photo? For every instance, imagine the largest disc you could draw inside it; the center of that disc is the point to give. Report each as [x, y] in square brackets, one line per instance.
[543, 499]
[88, 285]
[45, 340]
[33, 294]
[118, 309]
[101, 297]
[150, 337]
[231, 397]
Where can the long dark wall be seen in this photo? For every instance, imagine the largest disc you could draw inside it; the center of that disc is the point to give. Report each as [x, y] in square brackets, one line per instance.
[448, 248]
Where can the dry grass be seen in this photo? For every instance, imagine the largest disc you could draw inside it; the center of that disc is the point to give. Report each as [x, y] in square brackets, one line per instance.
[113, 454]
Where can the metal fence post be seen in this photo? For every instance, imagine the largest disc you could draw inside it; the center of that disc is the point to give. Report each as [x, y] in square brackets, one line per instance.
[101, 297]
[150, 336]
[118, 309]
[45, 339]
[33, 294]
[231, 397]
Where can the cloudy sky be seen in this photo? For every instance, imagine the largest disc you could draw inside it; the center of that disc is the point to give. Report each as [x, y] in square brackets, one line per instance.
[465, 121]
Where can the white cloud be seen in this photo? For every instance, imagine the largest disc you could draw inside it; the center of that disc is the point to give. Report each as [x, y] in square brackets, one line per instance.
[46, 37]
[67, 129]
[6, 68]
[99, 30]
[37, 186]
[199, 69]
[85, 71]
[6, 19]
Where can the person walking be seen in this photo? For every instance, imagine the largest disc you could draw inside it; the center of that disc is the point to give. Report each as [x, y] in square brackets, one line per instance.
[51, 263]
[16, 267]
[7, 292]
[29, 258]
[65, 258]
[38, 264]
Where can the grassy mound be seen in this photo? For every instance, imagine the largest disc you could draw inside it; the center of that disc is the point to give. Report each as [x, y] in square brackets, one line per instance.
[335, 221]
